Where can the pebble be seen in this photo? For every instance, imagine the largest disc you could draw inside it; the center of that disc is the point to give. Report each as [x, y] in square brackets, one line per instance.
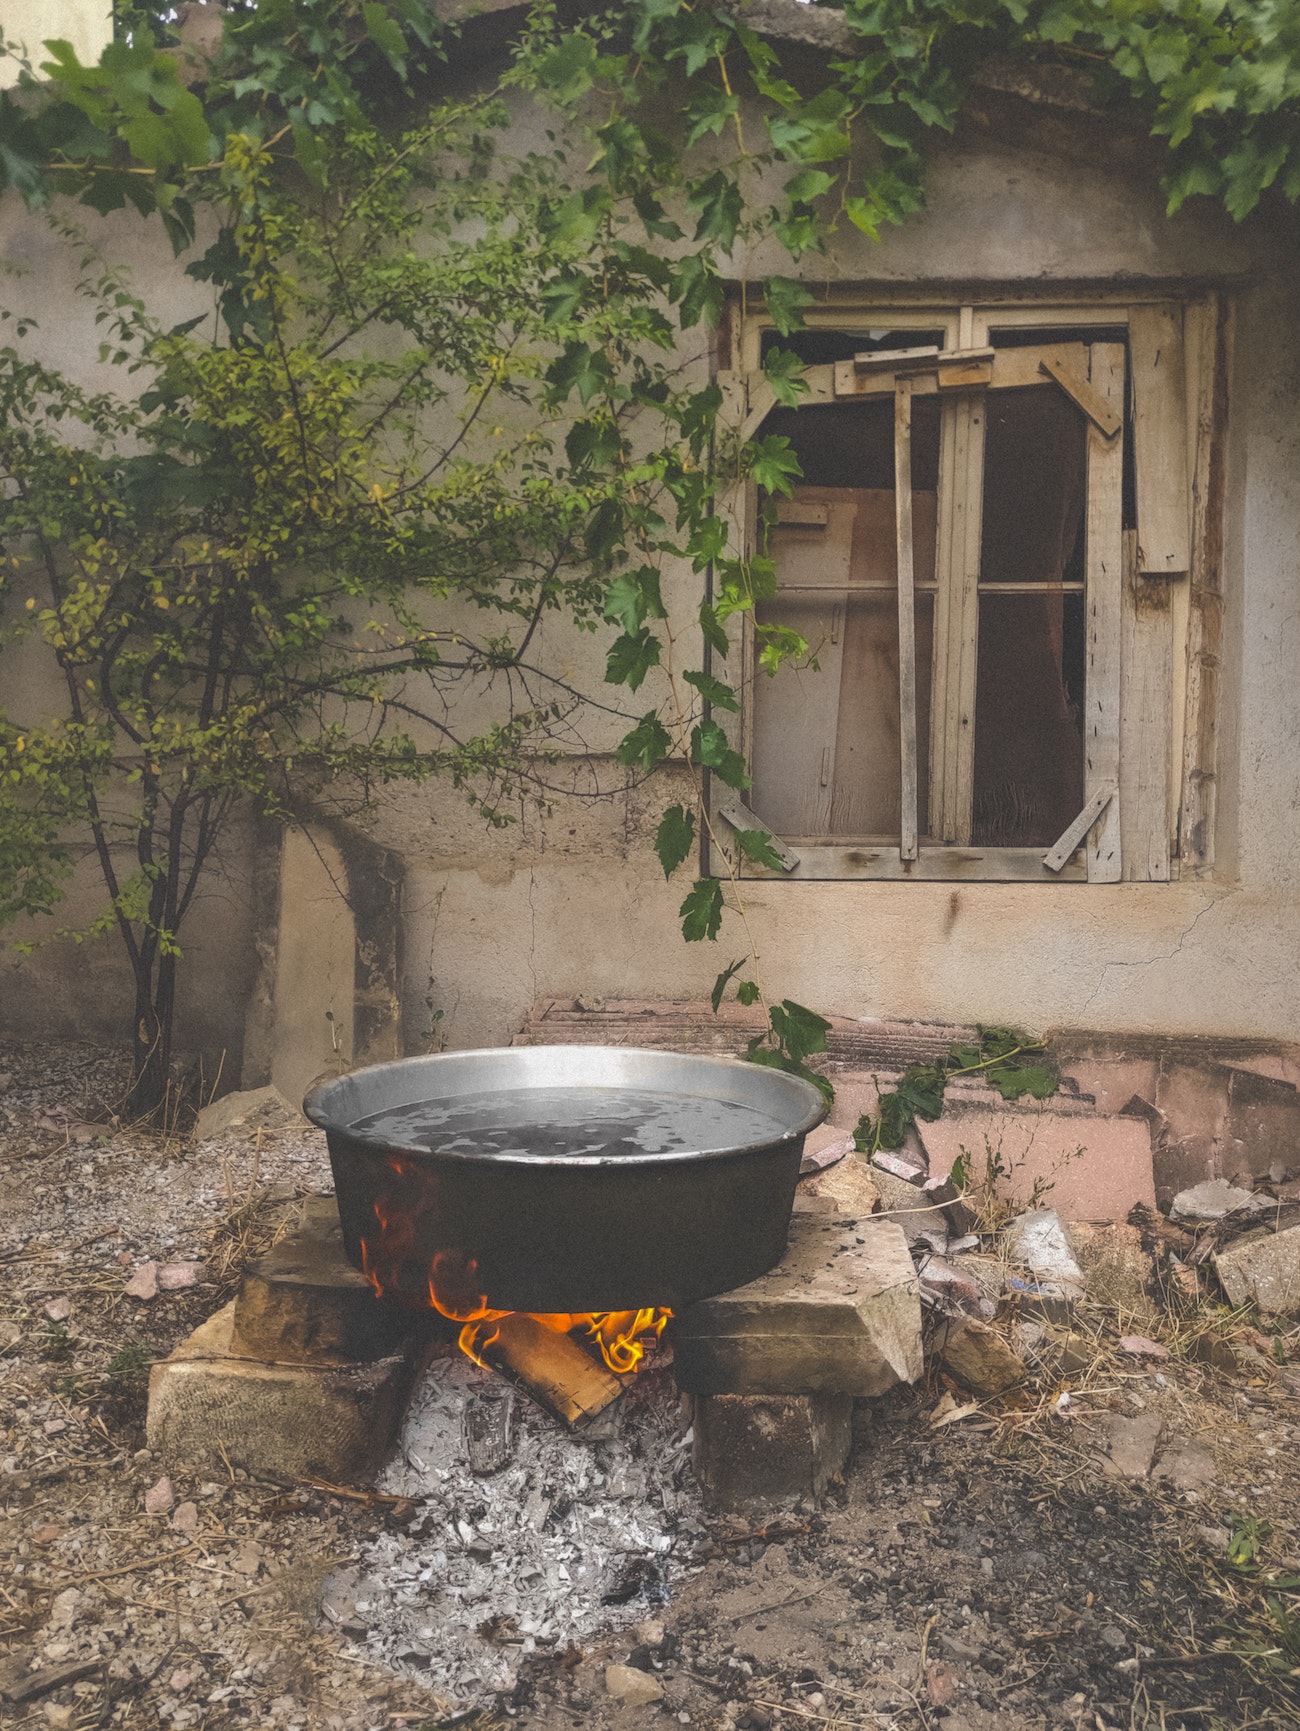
[185, 1519]
[59, 1309]
[159, 1498]
[637, 1688]
[144, 1282]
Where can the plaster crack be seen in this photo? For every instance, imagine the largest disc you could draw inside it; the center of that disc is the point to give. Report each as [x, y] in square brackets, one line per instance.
[1212, 901]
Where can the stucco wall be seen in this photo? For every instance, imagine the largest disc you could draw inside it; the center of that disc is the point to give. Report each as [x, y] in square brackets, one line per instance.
[576, 903]
[87, 24]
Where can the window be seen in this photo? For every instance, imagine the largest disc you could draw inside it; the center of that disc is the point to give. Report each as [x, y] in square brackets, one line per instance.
[983, 556]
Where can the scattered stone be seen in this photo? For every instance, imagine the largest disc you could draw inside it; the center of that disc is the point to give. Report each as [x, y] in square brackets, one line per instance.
[180, 1680]
[10, 1335]
[637, 1688]
[1130, 1445]
[1037, 1240]
[47, 1532]
[1212, 1200]
[144, 1282]
[944, 1284]
[955, 1209]
[1189, 1466]
[246, 1113]
[650, 1633]
[1264, 1271]
[172, 1276]
[940, 1684]
[159, 1498]
[1138, 1346]
[978, 1356]
[825, 1146]
[848, 1184]
[59, 1309]
[1217, 1538]
[66, 1607]
[1075, 1352]
[185, 1519]
[898, 1166]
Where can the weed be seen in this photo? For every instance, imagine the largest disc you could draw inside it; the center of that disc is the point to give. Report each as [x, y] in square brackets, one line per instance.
[130, 1363]
[57, 1343]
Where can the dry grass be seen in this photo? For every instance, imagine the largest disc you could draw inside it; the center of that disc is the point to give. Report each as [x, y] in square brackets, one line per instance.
[256, 1219]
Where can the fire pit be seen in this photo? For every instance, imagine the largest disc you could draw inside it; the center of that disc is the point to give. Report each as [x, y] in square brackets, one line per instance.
[560, 1180]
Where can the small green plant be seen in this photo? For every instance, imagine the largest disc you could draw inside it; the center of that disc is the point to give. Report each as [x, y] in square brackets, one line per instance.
[130, 1363]
[57, 1343]
[1246, 1545]
[921, 1087]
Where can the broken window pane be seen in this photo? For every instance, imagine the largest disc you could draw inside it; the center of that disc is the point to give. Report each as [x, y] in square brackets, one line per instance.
[1031, 663]
[826, 740]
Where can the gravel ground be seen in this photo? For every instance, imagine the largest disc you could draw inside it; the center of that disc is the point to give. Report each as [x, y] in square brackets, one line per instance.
[985, 1572]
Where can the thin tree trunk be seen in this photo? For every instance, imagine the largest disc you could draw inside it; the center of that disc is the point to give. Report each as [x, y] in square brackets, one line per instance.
[151, 1037]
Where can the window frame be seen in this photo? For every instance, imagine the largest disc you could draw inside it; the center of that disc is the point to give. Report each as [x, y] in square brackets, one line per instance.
[1136, 615]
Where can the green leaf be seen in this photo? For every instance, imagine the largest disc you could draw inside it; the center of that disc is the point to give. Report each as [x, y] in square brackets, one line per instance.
[801, 1031]
[713, 690]
[747, 992]
[773, 464]
[784, 371]
[723, 981]
[674, 838]
[633, 597]
[711, 750]
[631, 657]
[648, 744]
[786, 298]
[701, 912]
[1013, 1082]
[386, 35]
[756, 845]
[568, 70]
[711, 626]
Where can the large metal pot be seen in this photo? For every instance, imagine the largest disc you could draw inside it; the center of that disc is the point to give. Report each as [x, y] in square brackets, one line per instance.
[545, 1232]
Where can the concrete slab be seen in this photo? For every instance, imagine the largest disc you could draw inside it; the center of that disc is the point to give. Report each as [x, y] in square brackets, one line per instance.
[1087, 1168]
[850, 1185]
[839, 1315]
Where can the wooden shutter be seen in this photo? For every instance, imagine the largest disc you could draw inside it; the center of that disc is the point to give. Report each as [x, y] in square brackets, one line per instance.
[1164, 514]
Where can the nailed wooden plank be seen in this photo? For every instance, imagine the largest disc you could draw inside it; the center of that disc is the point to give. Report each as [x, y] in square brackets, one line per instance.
[1146, 692]
[736, 813]
[1205, 622]
[907, 843]
[1160, 439]
[875, 360]
[802, 514]
[956, 621]
[1105, 576]
[1009, 369]
[1063, 848]
[1106, 417]
[868, 860]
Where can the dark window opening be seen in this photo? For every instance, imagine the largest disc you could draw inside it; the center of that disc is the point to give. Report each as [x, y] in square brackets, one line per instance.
[823, 348]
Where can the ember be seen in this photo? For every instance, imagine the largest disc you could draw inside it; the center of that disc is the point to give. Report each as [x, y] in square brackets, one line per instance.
[451, 1282]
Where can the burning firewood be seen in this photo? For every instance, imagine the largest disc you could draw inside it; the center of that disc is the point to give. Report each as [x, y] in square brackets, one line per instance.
[552, 1368]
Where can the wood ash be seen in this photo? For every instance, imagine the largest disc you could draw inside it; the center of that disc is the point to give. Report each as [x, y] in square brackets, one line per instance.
[571, 1536]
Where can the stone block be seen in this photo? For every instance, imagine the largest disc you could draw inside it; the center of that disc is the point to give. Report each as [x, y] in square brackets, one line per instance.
[208, 1404]
[769, 1448]
[1262, 1128]
[241, 1115]
[840, 1314]
[305, 1302]
[1265, 1271]
[1087, 1168]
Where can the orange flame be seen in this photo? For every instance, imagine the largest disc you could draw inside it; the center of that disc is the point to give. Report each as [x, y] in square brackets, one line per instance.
[620, 1335]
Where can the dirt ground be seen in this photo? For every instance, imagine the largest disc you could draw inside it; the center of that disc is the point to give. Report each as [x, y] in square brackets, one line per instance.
[996, 1570]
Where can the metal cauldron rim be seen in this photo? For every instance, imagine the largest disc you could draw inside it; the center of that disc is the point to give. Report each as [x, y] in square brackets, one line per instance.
[796, 1088]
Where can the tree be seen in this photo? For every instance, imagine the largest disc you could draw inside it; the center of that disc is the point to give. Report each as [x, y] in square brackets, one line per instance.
[439, 385]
